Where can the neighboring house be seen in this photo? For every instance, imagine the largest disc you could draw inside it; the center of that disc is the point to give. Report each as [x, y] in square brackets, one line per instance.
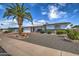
[54, 26]
[76, 27]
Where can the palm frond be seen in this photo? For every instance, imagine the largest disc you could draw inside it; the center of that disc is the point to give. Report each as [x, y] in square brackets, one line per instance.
[28, 16]
[5, 14]
[17, 10]
[17, 6]
[22, 5]
[14, 17]
[9, 6]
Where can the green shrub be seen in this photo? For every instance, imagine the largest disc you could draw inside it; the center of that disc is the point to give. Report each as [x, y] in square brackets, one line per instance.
[60, 31]
[8, 30]
[49, 31]
[72, 34]
[42, 31]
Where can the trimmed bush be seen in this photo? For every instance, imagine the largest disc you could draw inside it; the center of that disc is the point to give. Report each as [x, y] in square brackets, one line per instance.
[42, 31]
[49, 31]
[72, 34]
[60, 31]
[8, 30]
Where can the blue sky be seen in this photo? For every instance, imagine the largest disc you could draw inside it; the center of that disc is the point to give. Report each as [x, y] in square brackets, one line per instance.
[45, 13]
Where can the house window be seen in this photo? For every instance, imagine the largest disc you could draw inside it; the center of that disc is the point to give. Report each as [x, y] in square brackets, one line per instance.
[50, 27]
[63, 26]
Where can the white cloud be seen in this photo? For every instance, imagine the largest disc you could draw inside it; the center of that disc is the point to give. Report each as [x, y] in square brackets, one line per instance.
[39, 22]
[36, 22]
[27, 24]
[13, 23]
[75, 10]
[55, 13]
[33, 4]
[52, 12]
[42, 8]
[42, 21]
[44, 13]
[8, 23]
[62, 4]
[62, 14]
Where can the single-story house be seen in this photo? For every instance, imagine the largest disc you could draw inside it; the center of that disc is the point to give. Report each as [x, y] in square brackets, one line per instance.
[54, 26]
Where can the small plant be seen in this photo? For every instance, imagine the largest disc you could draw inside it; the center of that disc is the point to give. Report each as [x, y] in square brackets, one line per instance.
[5, 31]
[42, 31]
[49, 31]
[60, 31]
[72, 34]
[8, 30]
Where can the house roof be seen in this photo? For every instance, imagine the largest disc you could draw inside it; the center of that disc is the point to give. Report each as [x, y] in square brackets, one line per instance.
[62, 23]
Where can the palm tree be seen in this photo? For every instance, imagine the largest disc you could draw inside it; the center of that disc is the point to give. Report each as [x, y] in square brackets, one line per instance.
[18, 11]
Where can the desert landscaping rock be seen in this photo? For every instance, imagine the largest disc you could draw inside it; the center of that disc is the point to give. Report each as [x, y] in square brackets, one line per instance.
[51, 41]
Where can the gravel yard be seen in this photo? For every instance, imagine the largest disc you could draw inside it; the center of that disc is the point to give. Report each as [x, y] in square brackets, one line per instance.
[51, 41]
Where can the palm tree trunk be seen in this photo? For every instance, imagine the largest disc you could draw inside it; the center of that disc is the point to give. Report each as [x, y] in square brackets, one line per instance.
[20, 21]
[20, 29]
